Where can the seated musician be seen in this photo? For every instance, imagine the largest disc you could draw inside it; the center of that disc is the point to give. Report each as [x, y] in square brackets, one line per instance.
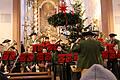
[42, 65]
[30, 67]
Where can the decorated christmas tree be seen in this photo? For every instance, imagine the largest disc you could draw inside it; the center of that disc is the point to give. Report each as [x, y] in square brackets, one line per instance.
[75, 30]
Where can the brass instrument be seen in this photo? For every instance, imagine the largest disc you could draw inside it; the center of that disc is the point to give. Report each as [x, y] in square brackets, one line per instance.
[12, 44]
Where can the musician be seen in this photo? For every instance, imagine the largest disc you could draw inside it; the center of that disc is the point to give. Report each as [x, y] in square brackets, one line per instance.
[34, 39]
[89, 52]
[6, 44]
[112, 49]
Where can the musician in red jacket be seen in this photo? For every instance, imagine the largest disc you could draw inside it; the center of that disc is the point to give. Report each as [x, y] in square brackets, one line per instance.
[112, 47]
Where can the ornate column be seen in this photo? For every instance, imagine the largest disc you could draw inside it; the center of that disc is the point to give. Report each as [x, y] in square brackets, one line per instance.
[16, 22]
[107, 16]
[35, 15]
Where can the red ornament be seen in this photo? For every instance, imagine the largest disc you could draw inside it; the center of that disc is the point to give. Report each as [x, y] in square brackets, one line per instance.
[63, 7]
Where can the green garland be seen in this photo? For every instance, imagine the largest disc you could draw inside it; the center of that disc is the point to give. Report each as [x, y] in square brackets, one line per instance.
[62, 19]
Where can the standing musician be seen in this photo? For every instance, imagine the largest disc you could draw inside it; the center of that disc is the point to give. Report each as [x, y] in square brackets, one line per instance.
[34, 39]
[7, 46]
[112, 49]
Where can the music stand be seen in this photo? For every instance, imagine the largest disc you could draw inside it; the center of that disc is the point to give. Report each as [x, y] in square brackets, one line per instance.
[64, 58]
[26, 57]
[9, 55]
[37, 48]
[40, 57]
[61, 58]
[52, 47]
[44, 57]
[68, 58]
[47, 56]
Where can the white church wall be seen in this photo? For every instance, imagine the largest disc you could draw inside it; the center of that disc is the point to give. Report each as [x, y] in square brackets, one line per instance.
[6, 19]
[92, 11]
[116, 16]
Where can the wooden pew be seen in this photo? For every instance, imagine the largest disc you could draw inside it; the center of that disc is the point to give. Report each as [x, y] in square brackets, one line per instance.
[42, 77]
[29, 76]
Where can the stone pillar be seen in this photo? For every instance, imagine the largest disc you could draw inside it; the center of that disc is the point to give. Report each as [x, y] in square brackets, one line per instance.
[107, 17]
[16, 22]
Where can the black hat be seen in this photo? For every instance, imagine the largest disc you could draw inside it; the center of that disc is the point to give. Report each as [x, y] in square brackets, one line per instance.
[33, 34]
[46, 37]
[96, 33]
[12, 47]
[112, 35]
[6, 41]
[88, 33]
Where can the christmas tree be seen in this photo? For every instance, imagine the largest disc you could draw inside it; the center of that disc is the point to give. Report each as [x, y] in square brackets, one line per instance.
[75, 30]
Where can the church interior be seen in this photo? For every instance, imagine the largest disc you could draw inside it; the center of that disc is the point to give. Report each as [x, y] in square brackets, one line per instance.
[49, 39]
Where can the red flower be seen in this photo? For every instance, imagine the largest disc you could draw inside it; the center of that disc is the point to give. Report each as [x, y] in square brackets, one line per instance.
[9, 55]
[101, 40]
